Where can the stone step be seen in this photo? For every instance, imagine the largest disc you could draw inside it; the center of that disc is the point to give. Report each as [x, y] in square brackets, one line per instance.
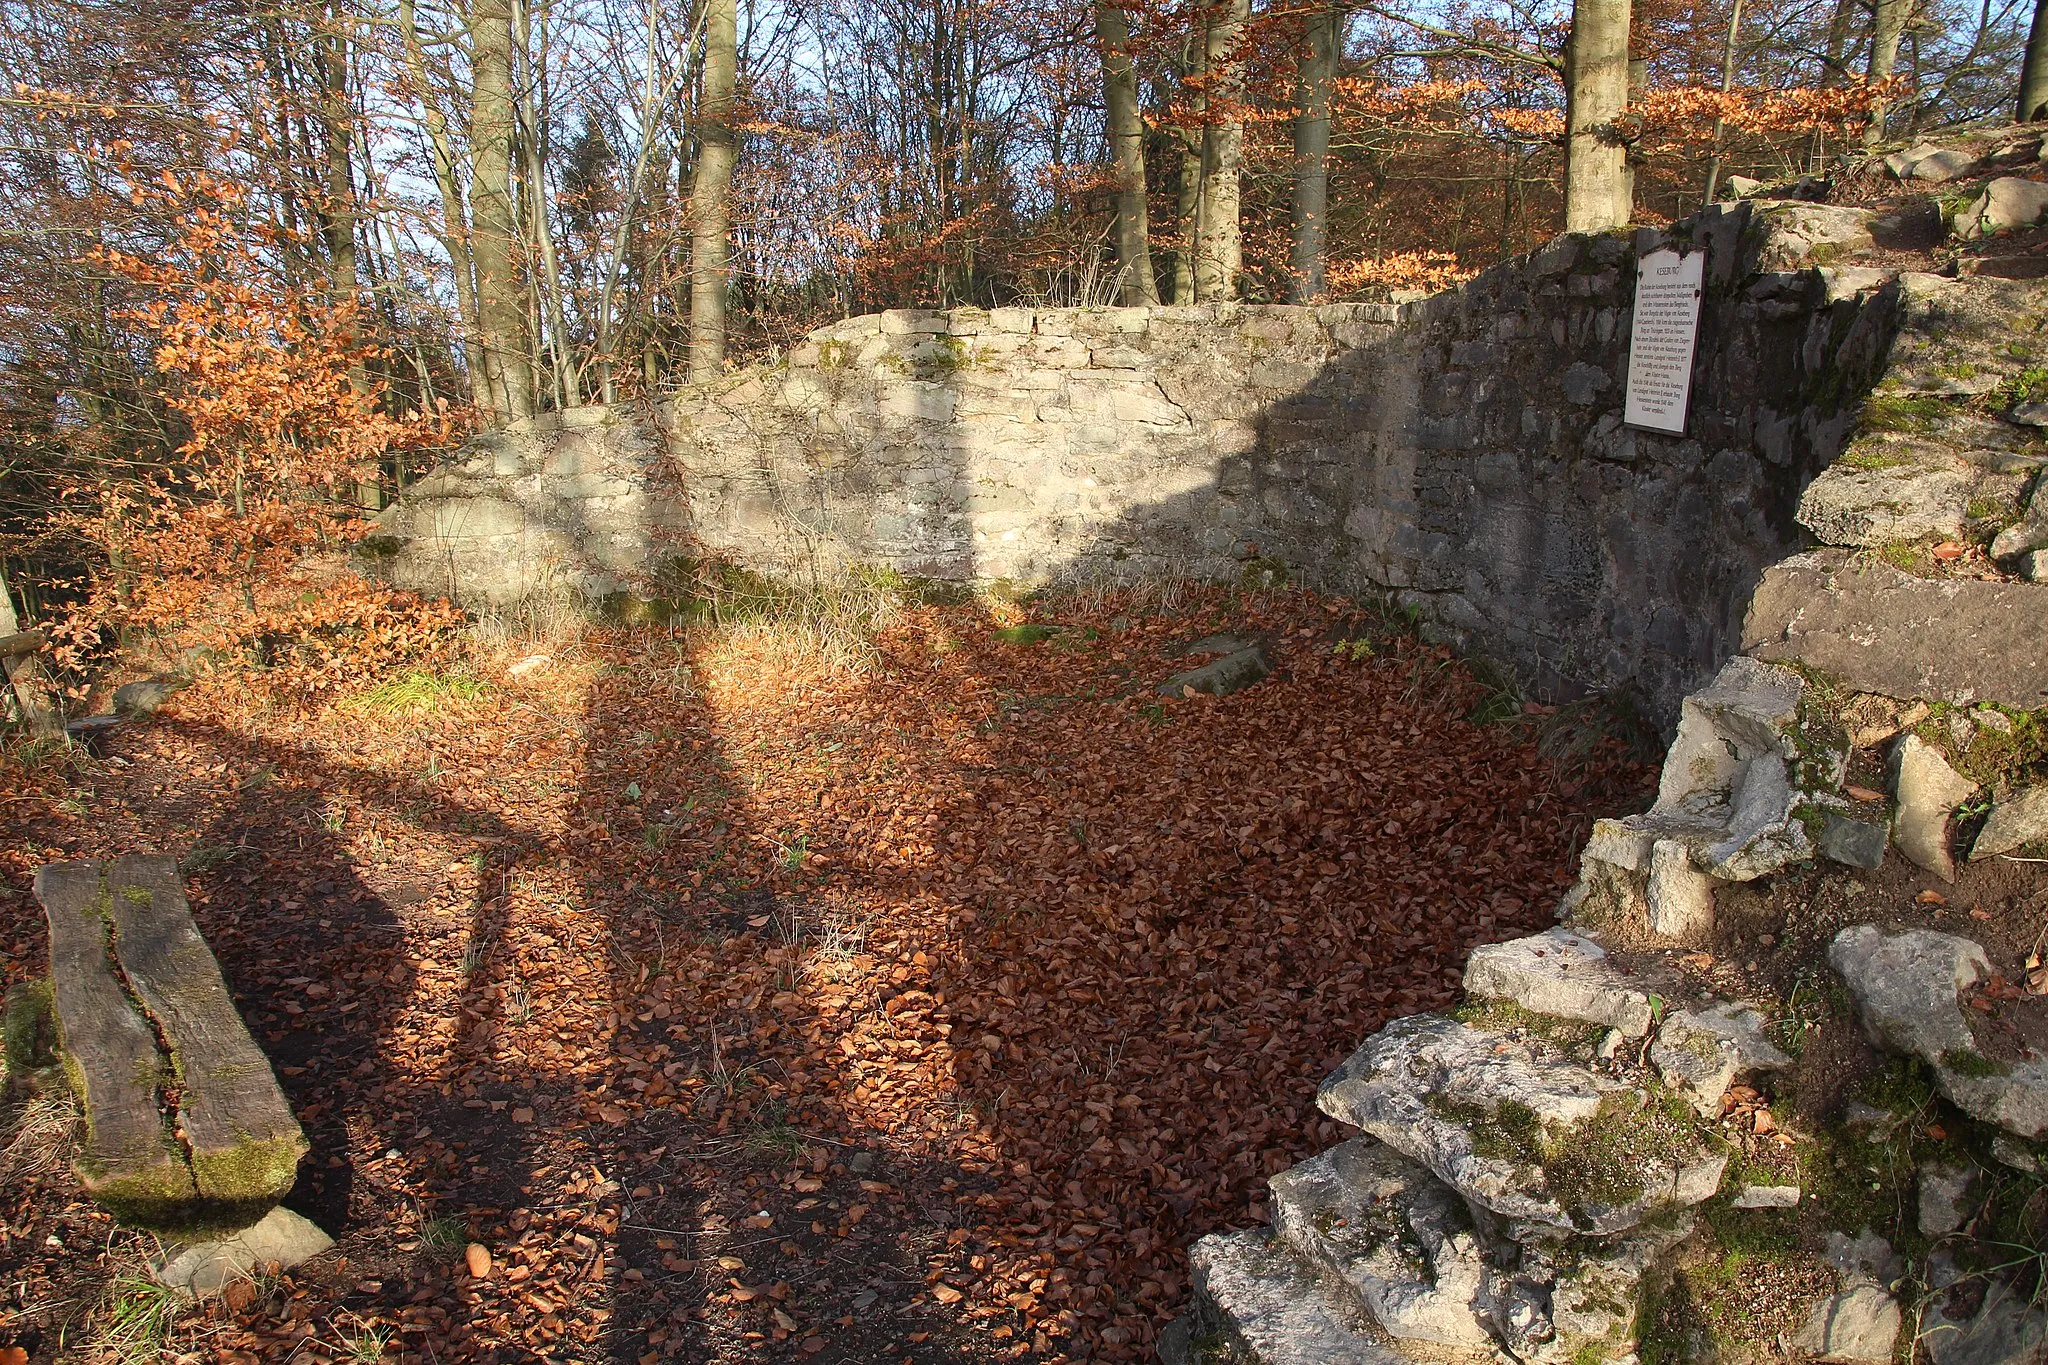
[1258, 1304]
[1399, 1240]
[1562, 974]
[1908, 992]
[1518, 1128]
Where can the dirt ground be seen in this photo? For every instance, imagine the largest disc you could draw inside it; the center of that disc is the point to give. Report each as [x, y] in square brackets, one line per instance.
[743, 1010]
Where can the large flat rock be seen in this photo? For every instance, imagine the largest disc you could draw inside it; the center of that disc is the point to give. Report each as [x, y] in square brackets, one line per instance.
[1880, 630]
[1518, 1128]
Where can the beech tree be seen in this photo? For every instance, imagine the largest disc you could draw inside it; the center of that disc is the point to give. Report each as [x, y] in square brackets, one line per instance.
[1322, 40]
[1124, 129]
[1598, 185]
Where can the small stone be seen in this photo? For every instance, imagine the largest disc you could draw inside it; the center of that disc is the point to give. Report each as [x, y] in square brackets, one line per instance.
[532, 663]
[1853, 843]
[204, 1268]
[2006, 1329]
[1860, 1324]
[1361, 1211]
[1742, 186]
[2011, 1152]
[478, 1258]
[1927, 790]
[2007, 202]
[1266, 1305]
[1220, 677]
[1944, 1198]
[861, 1163]
[2029, 414]
[1907, 988]
[2014, 823]
[1942, 165]
[138, 699]
[1694, 1062]
[1866, 1258]
[1993, 719]
[1766, 1197]
[1680, 896]
[1610, 1045]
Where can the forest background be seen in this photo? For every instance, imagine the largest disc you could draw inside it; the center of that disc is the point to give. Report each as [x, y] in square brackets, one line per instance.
[262, 263]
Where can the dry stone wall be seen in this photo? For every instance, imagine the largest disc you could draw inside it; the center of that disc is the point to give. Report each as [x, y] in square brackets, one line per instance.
[1465, 451]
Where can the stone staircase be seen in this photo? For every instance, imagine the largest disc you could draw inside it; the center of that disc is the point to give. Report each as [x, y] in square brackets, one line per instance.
[1523, 1165]
[1527, 1160]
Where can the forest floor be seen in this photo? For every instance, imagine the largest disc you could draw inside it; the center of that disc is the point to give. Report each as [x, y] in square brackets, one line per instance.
[743, 1008]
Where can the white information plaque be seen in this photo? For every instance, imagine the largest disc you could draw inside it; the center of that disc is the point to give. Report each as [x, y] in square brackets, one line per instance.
[1667, 323]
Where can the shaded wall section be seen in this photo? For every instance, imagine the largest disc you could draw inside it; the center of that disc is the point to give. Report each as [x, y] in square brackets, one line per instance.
[1465, 451]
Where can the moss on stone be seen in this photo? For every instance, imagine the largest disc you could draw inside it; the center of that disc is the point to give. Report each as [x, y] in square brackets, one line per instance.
[1505, 1016]
[1968, 1062]
[1903, 412]
[1871, 457]
[1596, 1163]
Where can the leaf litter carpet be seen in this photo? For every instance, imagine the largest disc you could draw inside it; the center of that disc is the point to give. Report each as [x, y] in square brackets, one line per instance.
[741, 1010]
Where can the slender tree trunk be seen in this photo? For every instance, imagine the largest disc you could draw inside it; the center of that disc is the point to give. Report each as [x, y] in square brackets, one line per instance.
[454, 213]
[25, 673]
[1219, 241]
[533, 143]
[1598, 185]
[338, 214]
[1886, 26]
[1727, 84]
[711, 192]
[501, 301]
[1321, 43]
[1188, 205]
[2034, 72]
[1126, 132]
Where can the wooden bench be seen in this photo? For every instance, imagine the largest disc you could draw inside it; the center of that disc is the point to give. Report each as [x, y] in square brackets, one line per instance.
[185, 1123]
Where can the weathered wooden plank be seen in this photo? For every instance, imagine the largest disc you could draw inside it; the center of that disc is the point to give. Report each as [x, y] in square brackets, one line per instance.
[21, 642]
[245, 1145]
[131, 1164]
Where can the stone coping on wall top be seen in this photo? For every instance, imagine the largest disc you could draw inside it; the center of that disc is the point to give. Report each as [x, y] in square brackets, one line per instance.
[967, 321]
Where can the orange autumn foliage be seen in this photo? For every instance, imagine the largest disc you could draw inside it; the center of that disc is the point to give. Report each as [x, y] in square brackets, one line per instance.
[282, 417]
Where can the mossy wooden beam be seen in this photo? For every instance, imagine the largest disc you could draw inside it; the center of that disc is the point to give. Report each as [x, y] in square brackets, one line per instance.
[245, 1145]
[131, 1163]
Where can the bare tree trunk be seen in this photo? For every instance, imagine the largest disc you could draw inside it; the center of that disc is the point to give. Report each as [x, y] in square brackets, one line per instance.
[1598, 185]
[1886, 26]
[1219, 241]
[532, 110]
[711, 192]
[501, 301]
[1321, 43]
[1727, 84]
[2034, 72]
[1126, 132]
[1188, 204]
[26, 675]
[338, 214]
[454, 214]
